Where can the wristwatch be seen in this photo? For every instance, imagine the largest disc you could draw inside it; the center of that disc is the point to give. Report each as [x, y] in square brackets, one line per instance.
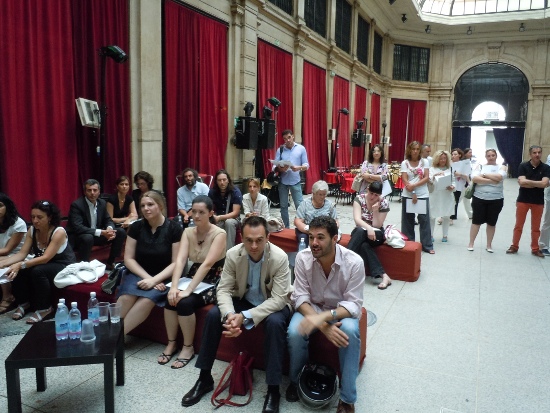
[333, 313]
[306, 227]
[24, 265]
[414, 192]
[246, 320]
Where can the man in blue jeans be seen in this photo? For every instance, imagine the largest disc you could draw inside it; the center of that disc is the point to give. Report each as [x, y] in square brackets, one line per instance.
[328, 297]
[290, 175]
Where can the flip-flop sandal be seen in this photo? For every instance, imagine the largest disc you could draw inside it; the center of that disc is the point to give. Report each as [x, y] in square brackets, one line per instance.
[19, 313]
[166, 357]
[10, 305]
[383, 286]
[184, 362]
[37, 317]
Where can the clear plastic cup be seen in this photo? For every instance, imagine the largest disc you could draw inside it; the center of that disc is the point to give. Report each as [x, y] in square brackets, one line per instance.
[103, 312]
[114, 311]
[88, 334]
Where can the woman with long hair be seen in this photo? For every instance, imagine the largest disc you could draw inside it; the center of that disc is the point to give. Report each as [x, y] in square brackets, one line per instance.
[204, 245]
[441, 200]
[415, 174]
[150, 257]
[369, 213]
[12, 232]
[461, 179]
[374, 168]
[32, 279]
[121, 206]
[488, 198]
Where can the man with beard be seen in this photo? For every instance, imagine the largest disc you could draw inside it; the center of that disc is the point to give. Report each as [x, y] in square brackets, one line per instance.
[188, 192]
[328, 297]
[228, 202]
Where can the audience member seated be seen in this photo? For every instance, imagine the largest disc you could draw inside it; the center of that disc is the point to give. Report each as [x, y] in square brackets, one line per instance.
[90, 224]
[253, 289]
[144, 182]
[255, 203]
[204, 245]
[369, 213]
[150, 258]
[227, 201]
[12, 232]
[32, 279]
[121, 206]
[189, 191]
[310, 208]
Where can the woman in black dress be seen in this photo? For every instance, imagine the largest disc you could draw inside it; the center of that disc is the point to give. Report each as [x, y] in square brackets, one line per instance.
[150, 256]
[121, 206]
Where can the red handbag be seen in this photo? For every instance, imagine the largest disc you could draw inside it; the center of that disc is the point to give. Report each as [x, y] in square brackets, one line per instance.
[238, 377]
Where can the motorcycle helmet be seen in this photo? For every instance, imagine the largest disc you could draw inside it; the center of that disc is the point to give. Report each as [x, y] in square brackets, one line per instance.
[317, 385]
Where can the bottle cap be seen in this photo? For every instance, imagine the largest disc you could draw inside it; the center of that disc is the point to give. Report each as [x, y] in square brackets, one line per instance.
[62, 300]
[74, 304]
[92, 294]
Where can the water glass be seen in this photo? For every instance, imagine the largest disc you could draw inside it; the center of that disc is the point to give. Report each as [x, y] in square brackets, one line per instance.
[114, 311]
[88, 334]
[103, 312]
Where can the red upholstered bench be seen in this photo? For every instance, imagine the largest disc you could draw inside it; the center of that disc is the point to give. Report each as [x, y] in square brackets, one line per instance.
[400, 263]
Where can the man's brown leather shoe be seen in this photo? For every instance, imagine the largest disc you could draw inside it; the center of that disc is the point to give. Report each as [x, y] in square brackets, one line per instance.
[538, 253]
[345, 407]
[511, 250]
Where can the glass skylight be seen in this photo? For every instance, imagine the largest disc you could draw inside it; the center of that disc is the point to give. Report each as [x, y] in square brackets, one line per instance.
[472, 7]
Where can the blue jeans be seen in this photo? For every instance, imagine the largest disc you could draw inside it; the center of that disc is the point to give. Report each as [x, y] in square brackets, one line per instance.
[296, 192]
[349, 356]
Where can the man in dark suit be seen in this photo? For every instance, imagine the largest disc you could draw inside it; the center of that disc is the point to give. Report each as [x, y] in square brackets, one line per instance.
[90, 224]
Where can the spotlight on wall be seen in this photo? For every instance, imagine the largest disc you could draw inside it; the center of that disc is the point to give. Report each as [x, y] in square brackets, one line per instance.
[428, 29]
[469, 32]
[344, 111]
[274, 102]
[114, 52]
[391, 2]
[248, 108]
[360, 124]
[522, 27]
[267, 112]
[404, 18]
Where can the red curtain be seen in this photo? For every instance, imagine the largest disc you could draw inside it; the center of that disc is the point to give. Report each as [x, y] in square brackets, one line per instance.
[375, 118]
[314, 122]
[407, 125]
[97, 24]
[275, 80]
[196, 90]
[44, 71]
[341, 100]
[359, 113]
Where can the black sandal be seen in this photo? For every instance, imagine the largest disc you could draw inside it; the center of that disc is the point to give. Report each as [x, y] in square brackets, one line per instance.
[184, 362]
[167, 357]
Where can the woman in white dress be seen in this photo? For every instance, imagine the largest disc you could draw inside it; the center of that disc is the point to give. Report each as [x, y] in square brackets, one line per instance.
[442, 200]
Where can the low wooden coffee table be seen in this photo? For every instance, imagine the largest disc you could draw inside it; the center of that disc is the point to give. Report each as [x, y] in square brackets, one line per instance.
[39, 349]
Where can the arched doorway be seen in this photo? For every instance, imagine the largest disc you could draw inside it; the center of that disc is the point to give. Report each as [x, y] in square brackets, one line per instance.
[507, 87]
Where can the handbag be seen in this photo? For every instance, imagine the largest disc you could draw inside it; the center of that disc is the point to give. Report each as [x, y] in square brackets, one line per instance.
[273, 178]
[112, 282]
[394, 237]
[238, 377]
[81, 272]
[212, 277]
[469, 191]
[275, 224]
[357, 183]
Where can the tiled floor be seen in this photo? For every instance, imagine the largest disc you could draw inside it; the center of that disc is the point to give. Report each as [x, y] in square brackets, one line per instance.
[471, 335]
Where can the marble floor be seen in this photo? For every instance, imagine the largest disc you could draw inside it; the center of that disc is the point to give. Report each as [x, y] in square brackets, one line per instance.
[471, 335]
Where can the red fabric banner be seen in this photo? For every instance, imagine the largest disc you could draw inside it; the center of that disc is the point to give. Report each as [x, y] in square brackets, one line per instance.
[375, 121]
[407, 125]
[341, 100]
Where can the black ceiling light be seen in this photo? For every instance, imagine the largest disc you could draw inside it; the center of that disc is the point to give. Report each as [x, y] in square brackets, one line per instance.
[267, 112]
[248, 108]
[404, 18]
[115, 53]
[391, 2]
[469, 31]
[274, 101]
[428, 29]
[522, 28]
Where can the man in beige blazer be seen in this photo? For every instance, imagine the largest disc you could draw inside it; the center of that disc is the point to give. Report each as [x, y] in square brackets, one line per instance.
[253, 288]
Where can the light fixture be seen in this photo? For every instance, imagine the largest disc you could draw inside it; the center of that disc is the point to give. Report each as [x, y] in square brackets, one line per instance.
[344, 111]
[267, 112]
[404, 18]
[274, 101]
[391, 2]
[428, 29]
[469, 32]
[248, 108]
[522, 27]
[114, 52]
[360, 124]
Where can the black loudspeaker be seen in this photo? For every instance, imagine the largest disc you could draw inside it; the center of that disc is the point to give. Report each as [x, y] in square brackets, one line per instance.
[246, 132]
[357, 138]
[266, 137]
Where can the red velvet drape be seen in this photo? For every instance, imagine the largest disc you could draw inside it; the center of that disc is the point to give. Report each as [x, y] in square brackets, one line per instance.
[375, 121]
[407, 125]
[359, 113]
[275, 80]
[45, 61]
[341, 100]
[97, 24]
[196, 90]
[314, 122]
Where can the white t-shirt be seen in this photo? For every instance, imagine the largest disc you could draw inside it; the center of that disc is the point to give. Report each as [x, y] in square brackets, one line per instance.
[415, 175]
[19, 226]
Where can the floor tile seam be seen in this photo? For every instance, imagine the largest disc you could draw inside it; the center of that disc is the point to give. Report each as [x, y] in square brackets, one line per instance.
[379, 321]
[423, 370]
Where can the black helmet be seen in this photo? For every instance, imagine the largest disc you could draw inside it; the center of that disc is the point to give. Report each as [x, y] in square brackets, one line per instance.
[317, 385]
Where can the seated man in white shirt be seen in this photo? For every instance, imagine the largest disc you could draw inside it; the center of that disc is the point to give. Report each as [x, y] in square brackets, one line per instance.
[189, 191]
[328, 297]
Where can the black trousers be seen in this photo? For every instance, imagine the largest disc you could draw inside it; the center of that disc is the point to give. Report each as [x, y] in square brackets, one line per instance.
[275, 326]
[34, 284]
[362, 245]
[83, 244]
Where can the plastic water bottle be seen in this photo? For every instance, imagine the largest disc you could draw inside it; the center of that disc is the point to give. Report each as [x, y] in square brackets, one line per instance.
[302, 245]
[61, 322]
[93, 309]
[179, 220]
[62, 301]
[75, 322]
[191, 223]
